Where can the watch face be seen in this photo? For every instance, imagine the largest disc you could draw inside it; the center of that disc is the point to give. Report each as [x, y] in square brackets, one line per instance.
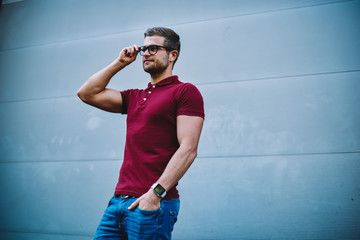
[159, 189]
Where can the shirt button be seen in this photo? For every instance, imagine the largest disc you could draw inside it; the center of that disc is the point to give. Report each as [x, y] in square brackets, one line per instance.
[153, 86]
[149, 92]
[144, 99]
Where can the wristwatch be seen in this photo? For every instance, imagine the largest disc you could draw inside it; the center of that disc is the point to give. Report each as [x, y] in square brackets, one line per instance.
[158, 190]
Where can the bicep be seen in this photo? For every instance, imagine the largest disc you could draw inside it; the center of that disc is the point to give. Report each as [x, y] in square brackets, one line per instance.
[109, 100]
[189, 130]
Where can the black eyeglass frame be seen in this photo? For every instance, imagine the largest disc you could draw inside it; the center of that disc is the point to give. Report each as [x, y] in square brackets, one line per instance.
[144, 48]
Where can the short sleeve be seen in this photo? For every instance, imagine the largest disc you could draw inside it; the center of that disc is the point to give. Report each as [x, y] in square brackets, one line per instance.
[190, 101]
[125, 100]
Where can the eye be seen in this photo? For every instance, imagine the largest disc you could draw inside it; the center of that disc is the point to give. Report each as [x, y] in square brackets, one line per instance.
[152, 48]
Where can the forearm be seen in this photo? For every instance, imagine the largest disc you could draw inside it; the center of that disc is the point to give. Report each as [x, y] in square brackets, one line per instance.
[177, 166]
[98, 81]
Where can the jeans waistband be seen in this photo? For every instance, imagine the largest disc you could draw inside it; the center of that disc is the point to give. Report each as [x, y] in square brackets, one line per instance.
[124, 196]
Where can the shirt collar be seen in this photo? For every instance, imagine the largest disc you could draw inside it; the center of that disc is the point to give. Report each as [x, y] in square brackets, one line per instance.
[166, 81]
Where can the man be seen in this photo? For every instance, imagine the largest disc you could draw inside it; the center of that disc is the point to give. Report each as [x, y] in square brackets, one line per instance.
[164, 123]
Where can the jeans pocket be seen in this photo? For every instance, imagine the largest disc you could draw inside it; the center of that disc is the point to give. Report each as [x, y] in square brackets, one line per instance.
[148, 212]
[141, 223]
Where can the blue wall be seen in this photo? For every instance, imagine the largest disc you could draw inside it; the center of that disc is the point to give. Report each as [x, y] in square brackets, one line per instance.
[279, 156]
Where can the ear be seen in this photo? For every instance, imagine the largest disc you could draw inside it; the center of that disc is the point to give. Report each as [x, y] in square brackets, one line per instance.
[173, 55]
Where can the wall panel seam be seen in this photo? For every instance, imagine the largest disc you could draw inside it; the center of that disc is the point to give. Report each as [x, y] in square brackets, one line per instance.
[279, 77]
[282, 154]
[199, 84]
[48, 233]
[198, 157]
[63, 161]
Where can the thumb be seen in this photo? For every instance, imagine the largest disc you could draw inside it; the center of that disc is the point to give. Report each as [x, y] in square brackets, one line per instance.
[134, 204]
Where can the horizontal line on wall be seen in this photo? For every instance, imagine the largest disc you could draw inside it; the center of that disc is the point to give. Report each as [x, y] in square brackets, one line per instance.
[199, 157]
[199, 84]
[65, 160]
[47, 233]
[260, 12]
[281, 154]
[279, 77]
[4, 2]
[175, 24]
[39, 99]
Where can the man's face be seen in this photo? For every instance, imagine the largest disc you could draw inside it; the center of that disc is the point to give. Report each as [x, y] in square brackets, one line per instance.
[155, 64]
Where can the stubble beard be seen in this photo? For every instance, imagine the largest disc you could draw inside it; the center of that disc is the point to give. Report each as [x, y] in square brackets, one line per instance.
[156, 68]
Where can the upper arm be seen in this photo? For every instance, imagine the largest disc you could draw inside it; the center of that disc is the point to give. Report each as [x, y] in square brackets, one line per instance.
[189, 130]
[109, 100]
[190, 117]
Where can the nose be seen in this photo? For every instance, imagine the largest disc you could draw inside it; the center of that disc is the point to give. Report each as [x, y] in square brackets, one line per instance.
[147, 53]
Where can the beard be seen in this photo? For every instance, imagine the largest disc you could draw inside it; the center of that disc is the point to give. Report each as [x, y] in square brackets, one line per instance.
[156, 67]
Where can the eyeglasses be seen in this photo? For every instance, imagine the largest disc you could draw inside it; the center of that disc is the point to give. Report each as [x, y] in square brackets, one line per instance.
[152, 49]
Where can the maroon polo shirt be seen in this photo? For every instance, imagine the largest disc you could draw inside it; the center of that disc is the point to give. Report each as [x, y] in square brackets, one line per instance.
[151, 138]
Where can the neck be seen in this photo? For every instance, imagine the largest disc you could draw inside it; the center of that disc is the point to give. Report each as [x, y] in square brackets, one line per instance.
[155, 78]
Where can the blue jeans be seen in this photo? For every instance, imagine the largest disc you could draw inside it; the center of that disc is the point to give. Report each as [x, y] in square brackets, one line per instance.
[120, 223]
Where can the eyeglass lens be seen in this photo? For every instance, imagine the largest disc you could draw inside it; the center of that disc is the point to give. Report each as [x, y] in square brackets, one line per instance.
[152, 50]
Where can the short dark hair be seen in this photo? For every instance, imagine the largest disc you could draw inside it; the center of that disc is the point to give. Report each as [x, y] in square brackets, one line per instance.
[172, 39]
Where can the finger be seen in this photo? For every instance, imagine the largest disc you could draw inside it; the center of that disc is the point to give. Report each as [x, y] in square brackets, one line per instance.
[134, 47]
[130, 52]
[127, 52]
[134, 204]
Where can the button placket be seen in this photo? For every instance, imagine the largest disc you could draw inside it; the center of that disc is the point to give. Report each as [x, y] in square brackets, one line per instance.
[147, 95]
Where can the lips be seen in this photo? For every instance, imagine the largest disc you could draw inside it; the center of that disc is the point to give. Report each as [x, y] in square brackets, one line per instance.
[147, 60]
